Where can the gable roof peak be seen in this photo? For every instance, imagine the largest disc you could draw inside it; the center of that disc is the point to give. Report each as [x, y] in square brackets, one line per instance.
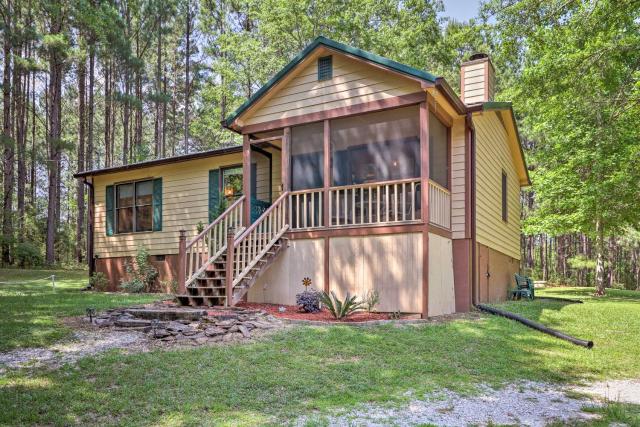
[340, 48]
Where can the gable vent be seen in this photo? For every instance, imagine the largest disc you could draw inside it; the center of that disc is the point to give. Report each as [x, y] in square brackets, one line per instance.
[325, 68]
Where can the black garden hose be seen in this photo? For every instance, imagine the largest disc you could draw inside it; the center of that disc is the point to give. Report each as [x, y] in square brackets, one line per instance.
[535, 325]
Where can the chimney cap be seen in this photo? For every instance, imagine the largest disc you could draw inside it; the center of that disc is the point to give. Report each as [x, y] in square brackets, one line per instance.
[478, 55]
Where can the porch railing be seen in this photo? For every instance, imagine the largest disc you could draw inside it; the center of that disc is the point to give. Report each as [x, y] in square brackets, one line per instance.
[375, 203]
[439, 205]
[212, 241]
[305, 209]
[249, 247]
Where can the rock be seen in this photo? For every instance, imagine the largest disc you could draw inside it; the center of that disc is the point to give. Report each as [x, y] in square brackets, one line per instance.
[177, 326]
[262, 325]
[202, 340]
[227, 337]
[214, 331]
[244, 331]
[169, 338]
[131, 323]
[225, 323]
[189, 332]
[234, 328]
[161, 333]
[217, 338]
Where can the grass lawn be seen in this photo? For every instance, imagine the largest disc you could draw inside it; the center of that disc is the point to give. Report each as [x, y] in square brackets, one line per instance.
[31, 308]
[306, 369]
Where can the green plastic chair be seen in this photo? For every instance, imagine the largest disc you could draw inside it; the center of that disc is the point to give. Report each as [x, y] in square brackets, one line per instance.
[523, 289]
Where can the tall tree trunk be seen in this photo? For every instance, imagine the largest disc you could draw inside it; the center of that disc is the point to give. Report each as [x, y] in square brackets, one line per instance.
[81, 161]
[600, 283]
[8, 152]
[21, 103]
[90, 113]
[54, 134]
[107, 114]
[32, 178]
[187, 82]
[158, 88]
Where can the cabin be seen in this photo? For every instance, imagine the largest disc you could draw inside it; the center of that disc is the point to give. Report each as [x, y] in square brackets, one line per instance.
[355, 171]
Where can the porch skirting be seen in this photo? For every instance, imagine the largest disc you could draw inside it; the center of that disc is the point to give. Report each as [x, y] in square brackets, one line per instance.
[390, 264]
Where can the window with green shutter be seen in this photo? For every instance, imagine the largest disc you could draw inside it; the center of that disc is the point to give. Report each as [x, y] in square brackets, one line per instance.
[134, 207]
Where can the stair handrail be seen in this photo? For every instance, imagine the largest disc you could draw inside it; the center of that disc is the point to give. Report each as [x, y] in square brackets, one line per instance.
[210, 242]
[217, 220]
[254, 242]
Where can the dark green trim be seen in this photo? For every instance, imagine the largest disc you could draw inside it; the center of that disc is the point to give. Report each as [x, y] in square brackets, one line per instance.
[110, 208]
[157, 204]
[495, 105]
[214, 194]
[323, 41]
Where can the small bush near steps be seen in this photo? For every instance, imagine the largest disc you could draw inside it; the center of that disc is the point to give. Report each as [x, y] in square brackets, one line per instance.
[309, 301]
[143, 275]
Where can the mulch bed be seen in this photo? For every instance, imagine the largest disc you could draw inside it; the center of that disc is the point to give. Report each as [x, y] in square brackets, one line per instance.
[292, 312]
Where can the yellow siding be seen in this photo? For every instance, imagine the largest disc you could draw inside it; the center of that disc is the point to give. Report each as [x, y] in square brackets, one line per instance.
[353, 82]
[458, 178]
[492, 157]
[185, 192]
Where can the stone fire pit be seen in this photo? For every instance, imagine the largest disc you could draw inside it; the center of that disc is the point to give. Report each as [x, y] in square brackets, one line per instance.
[170, 324]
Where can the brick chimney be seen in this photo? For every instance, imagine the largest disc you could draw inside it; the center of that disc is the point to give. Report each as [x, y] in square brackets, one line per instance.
[477, 79]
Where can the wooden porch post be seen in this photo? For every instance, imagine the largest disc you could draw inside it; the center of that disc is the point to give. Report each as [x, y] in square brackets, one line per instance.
[228, 278]
[285, 157]
[182, 262]
[246, 179]
[424, 201]
[325, 199]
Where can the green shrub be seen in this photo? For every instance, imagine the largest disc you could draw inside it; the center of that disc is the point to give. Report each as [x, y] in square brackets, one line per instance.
[170, 286]
[98, 281]
[143, 275]
[340, 309]
[27, 255]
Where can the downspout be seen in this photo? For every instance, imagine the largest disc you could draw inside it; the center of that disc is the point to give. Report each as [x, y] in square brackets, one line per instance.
[90, 227]
[472, 140]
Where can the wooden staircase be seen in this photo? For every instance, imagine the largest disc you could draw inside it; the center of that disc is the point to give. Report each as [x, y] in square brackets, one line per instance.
[209, 288]
[221, 264]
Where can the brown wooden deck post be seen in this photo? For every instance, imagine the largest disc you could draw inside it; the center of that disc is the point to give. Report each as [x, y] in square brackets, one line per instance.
[182, 262]
[228, 278]
[246, 179]
[424, 201]
[326, 213]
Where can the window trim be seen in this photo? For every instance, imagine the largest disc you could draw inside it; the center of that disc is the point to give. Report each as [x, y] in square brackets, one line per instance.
[221, 180]
[134, 206]
[504, 199]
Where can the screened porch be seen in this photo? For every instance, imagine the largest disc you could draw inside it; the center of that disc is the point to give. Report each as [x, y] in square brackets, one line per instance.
[374, 171]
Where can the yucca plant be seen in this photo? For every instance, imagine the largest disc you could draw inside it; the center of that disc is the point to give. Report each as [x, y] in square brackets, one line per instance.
[340, 309]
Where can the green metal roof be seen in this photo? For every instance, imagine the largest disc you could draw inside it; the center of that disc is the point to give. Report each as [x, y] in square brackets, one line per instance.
[323, 41]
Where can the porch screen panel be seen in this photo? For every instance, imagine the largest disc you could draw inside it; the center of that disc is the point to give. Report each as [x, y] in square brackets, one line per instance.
[438, 151]
[307, 154]
[374, 147]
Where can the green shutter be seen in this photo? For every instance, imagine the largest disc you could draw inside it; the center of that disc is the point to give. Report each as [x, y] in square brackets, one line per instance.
[214, 193]
[111, 214]
[157, 204]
